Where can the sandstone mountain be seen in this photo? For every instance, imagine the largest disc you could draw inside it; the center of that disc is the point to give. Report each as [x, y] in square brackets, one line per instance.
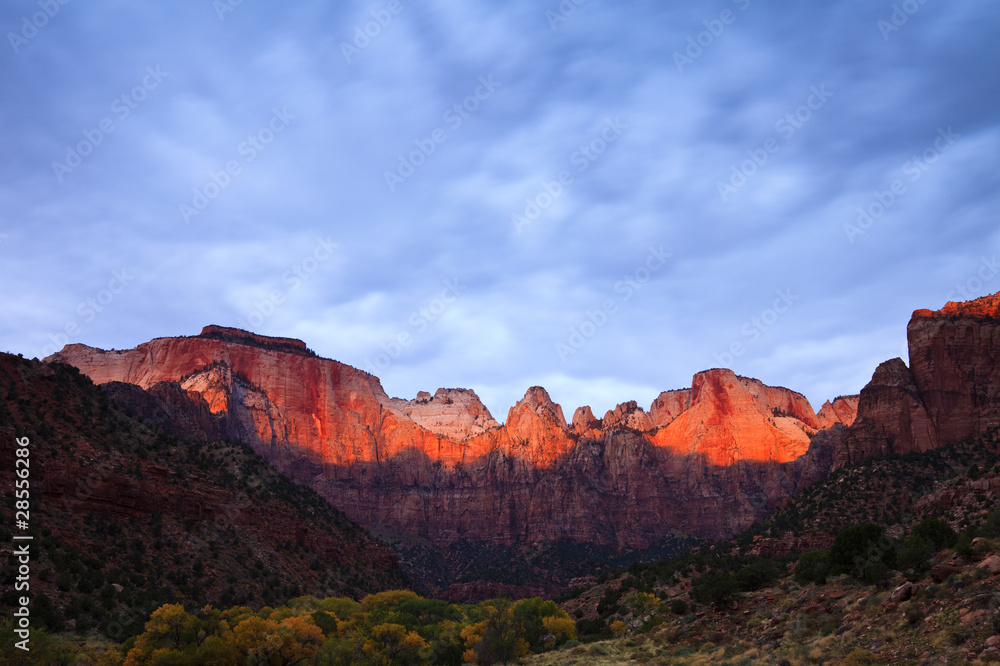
[440, 471]
[707, 461]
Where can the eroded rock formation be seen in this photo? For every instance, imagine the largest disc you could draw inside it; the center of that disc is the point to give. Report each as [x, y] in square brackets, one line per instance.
[706, 461]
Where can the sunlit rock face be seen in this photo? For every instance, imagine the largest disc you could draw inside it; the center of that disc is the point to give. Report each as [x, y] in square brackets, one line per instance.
[951, 390]
[707, 460]
[843, 409]
[955, 361]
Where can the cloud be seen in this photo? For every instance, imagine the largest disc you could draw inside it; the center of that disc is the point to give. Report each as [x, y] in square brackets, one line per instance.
[558, 83]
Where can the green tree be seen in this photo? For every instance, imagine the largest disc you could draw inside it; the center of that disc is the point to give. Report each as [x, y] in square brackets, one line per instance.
[498, 638]
[813, 567]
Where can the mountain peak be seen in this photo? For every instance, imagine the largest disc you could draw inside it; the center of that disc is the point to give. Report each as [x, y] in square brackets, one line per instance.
[985, 306]
[239, 336]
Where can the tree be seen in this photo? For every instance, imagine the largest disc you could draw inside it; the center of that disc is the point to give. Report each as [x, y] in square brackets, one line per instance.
[530, 614]
[298, 639]
[562, 628]
[718, 587]
[169, 628]
[855, 547]
[813, 567]
[251, 638]
[392, 644]
[937, 532]
[642, 604]
[387, 600]
[496, 639]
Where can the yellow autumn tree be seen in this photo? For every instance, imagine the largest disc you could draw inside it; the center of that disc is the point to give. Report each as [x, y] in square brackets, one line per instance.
[256, 638]
[169, 628]
[387, 600]
[499, 638]
[391, 644]
[300, 640]
[563, 628]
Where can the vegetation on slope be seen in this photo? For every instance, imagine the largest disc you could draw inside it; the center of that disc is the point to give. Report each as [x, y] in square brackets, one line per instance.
[126, 519]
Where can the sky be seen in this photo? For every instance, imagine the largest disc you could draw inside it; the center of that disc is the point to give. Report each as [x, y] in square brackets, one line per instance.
[599, 198]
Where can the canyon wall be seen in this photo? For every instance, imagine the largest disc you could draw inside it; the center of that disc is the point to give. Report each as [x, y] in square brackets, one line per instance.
[706, 461]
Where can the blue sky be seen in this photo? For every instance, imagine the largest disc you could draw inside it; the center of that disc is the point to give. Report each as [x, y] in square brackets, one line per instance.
[600, 198]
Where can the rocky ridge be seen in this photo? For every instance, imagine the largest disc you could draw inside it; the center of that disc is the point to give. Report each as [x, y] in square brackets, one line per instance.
[706, 460]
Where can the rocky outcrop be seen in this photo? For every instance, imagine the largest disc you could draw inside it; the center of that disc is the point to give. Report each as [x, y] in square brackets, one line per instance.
[706, 461]
[584, 420]
[732, 418]
[891, 418]
[668, 406]
[843, 409]
[950, 392]
[453, 413]
[628, 415]
[955, 361]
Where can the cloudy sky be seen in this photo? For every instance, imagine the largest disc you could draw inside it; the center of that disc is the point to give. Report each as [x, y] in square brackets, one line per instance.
[600, 198]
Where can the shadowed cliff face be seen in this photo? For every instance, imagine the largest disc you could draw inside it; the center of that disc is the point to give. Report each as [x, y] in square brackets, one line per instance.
[707, 461]
[950, 392]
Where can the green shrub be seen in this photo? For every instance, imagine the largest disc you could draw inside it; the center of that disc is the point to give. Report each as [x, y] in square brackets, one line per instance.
[855, 548]
[813, 567]
[715, 588]
[914, 558]
[860, 657]
[963, 545]
[937, 532]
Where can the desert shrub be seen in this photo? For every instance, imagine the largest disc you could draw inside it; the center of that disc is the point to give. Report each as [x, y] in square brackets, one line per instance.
[992, 526]
[874, 571]
[813, 567]
[914, 558]
[956, 635]
[963, 545]
[860, 657]
[756, 574]
[678, 607]
[590, 626]
[862, 551]
[715, 588]
[937, 532]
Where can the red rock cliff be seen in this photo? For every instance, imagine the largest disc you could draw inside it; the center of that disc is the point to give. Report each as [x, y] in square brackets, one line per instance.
[951, 390]
[707, 460]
